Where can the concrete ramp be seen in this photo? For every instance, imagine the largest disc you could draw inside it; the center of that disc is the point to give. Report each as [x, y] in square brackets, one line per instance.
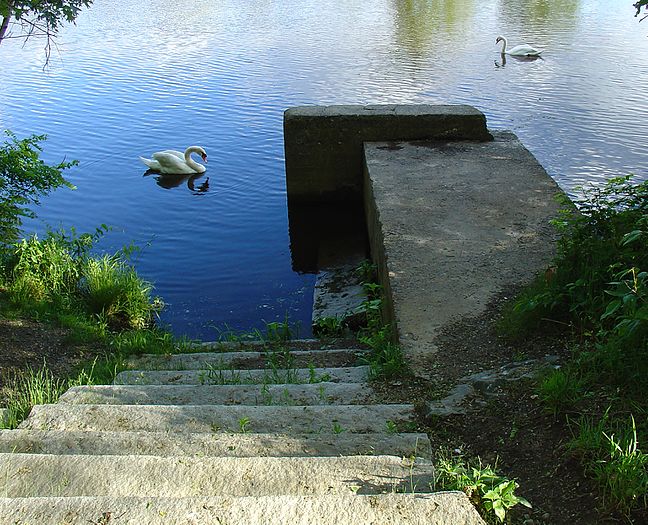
[451, 224]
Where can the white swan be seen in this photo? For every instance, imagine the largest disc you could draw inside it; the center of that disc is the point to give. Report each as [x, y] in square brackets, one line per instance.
[523, 50]
[173, 162]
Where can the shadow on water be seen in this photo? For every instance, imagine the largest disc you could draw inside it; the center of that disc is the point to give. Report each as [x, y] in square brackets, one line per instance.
[173, 181]
[325, 235]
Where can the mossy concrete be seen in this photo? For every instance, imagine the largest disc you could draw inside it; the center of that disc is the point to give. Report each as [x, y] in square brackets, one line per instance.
[323, 144]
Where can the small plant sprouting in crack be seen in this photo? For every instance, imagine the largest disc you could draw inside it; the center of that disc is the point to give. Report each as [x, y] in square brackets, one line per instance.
[244, 425]
[392, 427]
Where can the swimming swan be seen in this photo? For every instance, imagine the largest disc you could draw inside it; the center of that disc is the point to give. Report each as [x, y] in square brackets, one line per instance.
[173, 162]
[523, 50]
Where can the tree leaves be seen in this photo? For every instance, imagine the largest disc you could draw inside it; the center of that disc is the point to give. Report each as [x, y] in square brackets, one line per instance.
[24, 178]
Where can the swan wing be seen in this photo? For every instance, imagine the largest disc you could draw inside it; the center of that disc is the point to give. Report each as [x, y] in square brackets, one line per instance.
[171, 163]
[151, 164]
[524, 50]
[178, 154]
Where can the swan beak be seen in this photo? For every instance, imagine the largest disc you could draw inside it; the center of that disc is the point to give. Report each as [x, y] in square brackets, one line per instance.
[204, 157]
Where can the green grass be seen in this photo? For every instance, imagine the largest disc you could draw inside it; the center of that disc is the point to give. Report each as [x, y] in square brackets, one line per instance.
[112, 289]
[31, 387]
[386, 359]
[99, 301]
[560, 390]
[609, 450]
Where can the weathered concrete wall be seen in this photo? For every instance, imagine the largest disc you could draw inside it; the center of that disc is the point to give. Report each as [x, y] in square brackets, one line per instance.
[323, 144]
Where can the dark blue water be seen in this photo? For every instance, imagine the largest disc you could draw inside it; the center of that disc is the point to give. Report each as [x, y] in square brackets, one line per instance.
[132, 78]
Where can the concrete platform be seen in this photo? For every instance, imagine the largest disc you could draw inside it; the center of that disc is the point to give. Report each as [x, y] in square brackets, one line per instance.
[451, 224]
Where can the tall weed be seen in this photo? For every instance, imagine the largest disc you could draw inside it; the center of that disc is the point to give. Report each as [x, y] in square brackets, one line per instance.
[112, 288]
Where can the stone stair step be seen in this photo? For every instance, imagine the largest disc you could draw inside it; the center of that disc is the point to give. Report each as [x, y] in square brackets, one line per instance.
[249, 359]
[290, 394]
[32, 475]
[213, 444]
[215, 376]
[287, 420]
[297, 344]
[442, 508]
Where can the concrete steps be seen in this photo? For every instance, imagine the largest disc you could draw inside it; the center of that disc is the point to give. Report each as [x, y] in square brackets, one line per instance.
[212, 444]
[172, 442]
[249, 359]
[219, 418]
[32, 475]
[443, 508]
[291, 394]
[225, 376]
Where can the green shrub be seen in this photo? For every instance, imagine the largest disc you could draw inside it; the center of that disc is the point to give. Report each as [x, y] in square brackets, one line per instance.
[598, 278]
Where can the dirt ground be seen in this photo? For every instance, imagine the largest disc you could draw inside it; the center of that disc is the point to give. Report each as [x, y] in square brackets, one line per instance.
[510, 427]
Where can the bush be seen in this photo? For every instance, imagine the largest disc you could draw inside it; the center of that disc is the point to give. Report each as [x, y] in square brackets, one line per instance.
[598, 285]
[24, 178]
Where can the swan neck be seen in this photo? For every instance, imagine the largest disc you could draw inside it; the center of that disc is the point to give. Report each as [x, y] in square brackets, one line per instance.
[190, 162]
[503, 45]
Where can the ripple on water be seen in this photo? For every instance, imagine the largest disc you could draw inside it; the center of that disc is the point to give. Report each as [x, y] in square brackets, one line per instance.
[135, 77]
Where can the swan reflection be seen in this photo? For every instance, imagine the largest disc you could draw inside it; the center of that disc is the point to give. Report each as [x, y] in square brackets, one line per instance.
[517, 58]
[173, 181]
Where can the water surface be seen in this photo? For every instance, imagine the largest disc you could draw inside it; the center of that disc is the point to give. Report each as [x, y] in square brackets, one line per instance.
[136, 77]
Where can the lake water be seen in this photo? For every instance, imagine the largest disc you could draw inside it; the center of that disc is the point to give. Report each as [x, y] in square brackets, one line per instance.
[134, 77]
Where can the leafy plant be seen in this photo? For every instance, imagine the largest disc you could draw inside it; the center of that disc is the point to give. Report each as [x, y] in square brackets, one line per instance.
[328, 327]
[601, 259]
[493, 494]
[386, 358]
